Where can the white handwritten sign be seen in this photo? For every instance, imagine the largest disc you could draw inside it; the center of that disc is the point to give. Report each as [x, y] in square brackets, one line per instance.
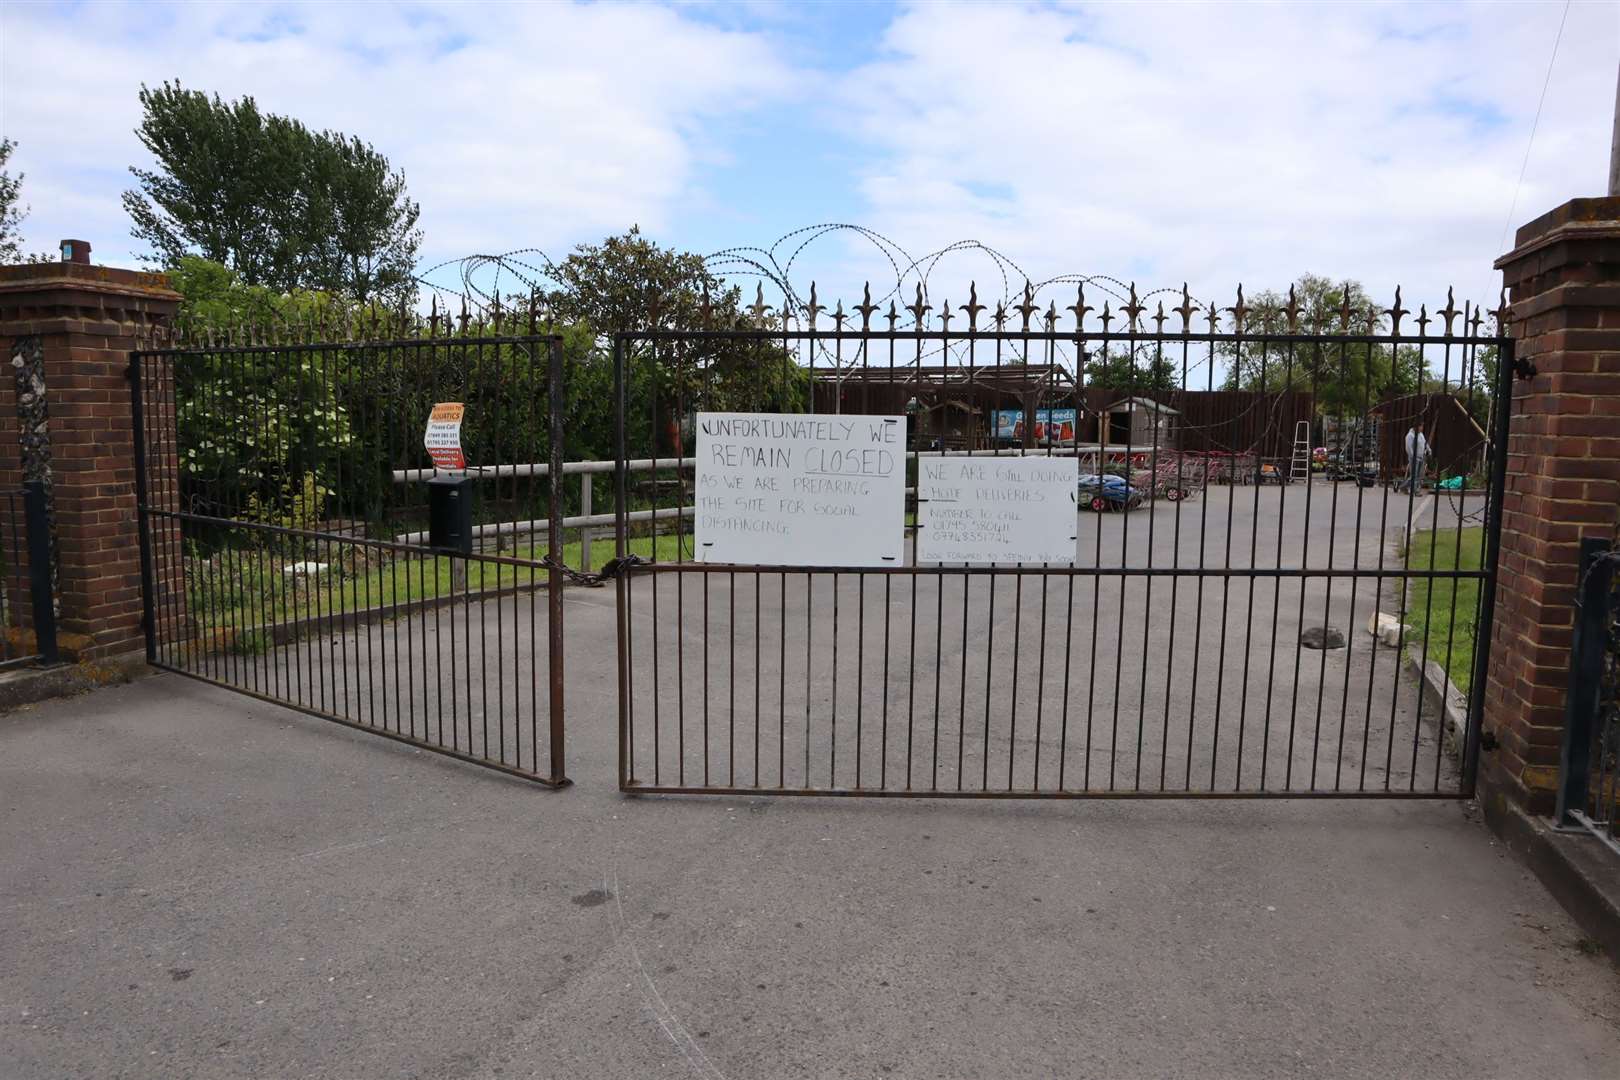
[1000, 510]
[776, 490]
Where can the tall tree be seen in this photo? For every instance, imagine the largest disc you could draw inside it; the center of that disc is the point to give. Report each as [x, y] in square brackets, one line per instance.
[11, 210]
[628, 283]
[1140, 370]
[1347, 377]
[283, 206]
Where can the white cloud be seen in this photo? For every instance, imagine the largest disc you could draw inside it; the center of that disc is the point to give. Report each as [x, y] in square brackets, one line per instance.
[1241, 143]
[1158, 142]
[515, 124]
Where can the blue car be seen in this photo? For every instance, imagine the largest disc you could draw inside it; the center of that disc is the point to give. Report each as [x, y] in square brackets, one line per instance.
[1108, 492]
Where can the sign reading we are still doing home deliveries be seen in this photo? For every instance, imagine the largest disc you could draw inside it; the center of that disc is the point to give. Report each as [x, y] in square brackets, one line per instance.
[997, 509]
[775, 490]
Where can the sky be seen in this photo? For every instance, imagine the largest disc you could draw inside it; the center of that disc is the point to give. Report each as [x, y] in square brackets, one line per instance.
[1157, 143]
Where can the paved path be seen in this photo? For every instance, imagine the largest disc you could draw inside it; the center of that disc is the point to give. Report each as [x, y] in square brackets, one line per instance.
[195, 884]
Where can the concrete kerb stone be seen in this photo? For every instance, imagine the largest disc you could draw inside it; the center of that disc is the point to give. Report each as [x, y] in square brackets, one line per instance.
[29, 686]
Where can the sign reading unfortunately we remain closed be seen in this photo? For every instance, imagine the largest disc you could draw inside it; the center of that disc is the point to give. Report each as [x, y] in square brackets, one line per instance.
[443, 438]
[775, 490]
[997, 510]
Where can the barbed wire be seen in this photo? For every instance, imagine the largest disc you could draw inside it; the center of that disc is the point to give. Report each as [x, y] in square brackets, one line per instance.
[478, 282]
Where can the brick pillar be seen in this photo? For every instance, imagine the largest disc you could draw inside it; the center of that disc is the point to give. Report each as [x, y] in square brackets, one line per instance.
[1563, 482]
[70, 327]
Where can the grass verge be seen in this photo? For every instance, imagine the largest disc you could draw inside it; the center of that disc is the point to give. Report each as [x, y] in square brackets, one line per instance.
[1442, 611]
[236, 592]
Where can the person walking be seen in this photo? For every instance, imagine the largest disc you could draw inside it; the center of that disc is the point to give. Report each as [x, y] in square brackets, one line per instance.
[1417, 456]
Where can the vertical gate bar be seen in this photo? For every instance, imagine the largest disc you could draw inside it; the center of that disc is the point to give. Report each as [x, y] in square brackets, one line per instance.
[1471, 374]
[1327, 582]
[1500, 426]
[1428, 591]
[1406, 580]
[1305, 564]
[165, 616]
[1226, 572]
[495, 451]
[1147, 582]
[967, 580]
[1355, 561]
[1203, 545]
[1074, 555]
[621, 581]
[1254, 557]
[916, 468]
[486, 393]
[367, 398]
[1032, 412]
[990, 606]
[143, 520]
[888, 608]
[554, 613]
[1175, 564]
[1096, 577]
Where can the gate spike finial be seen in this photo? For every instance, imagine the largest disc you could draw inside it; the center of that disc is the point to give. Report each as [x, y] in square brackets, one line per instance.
[1473, 320]
[463, 318]
[813, 308]
[1000, 315]
[1133, 310]
[1028, 307]
[1080, 307]
[757, 309]
[973, 307]
[1291, 312]
[1396, 314]
[919, 308]
[1423, 320]
[1344, 309]
[866, 307]
[1187, 309]
[839, 317]
[1239, 310]
[1449, 312]
[534, 304]
[1214, 317]
[433, 316]
[1106, 317]
[1051, 316]
[1503, 313]
[893, 316]
[945, 317]
[1158, 320]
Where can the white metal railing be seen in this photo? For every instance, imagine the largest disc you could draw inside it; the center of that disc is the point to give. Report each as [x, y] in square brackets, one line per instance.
[586, 521]
[590, 524]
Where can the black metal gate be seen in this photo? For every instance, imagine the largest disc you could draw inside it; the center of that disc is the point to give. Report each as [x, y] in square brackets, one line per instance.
[1244, 504]
[285, 539]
